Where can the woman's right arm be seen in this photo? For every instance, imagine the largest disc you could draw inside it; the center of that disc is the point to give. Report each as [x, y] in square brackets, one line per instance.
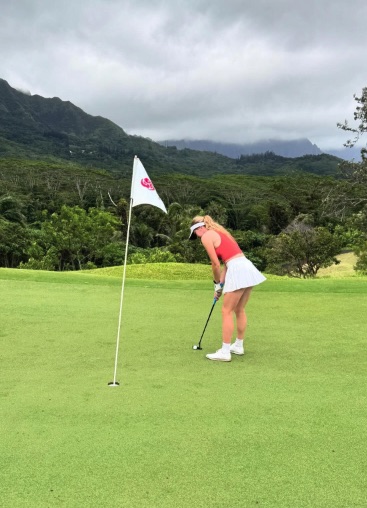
[208, 243]
[223, 274]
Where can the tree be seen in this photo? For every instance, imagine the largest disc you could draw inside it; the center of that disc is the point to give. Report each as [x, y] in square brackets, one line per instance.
[236, 210]
[360, 116]
[73, 237]
[14, 242]
[361, 251]
[218, 212]
[278, 217]
[253, 245]
[11, 209]
[141, 234]
[356, 173]
[301, 250]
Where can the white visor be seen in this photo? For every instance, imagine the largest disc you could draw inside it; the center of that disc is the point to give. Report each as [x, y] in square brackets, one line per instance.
[192, 229]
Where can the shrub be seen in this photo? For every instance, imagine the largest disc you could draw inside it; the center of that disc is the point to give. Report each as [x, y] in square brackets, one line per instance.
[156, 255]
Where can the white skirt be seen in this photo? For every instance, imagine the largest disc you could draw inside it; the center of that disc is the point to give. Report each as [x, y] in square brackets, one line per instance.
[241, 273]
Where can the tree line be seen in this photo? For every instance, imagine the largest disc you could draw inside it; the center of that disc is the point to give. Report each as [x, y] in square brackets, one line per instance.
[293, 224]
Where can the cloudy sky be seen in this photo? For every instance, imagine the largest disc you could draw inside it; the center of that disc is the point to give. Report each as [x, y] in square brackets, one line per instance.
[226, 70]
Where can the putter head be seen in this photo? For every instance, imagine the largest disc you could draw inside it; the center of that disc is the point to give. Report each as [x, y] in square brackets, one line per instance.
[196, 347]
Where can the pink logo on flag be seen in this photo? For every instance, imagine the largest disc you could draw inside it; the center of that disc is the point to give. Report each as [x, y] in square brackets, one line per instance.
[146, 182]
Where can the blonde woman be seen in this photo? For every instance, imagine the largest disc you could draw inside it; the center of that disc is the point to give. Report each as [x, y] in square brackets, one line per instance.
[236, 280]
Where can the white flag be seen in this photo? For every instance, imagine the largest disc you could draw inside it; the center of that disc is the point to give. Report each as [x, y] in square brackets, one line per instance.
[142, 188]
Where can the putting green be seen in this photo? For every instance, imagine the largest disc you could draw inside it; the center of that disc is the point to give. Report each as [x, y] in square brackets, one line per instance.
[282, 426]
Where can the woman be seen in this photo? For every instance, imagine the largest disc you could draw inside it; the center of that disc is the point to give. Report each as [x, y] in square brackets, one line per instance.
[236, 281]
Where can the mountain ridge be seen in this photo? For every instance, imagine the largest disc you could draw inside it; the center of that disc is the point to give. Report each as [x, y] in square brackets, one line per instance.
[285, 148]
[35, 127]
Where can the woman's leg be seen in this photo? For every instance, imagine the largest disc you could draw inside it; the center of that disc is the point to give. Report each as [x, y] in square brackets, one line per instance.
[241, 318]
[231, 301]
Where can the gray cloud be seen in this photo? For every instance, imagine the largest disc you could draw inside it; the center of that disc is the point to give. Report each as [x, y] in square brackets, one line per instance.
[230, 71]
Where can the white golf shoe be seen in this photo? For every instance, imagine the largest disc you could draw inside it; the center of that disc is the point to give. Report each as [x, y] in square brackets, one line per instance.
[237, 350]
[220, 356]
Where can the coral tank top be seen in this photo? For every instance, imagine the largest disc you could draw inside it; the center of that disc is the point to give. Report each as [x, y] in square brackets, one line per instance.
[227, 248]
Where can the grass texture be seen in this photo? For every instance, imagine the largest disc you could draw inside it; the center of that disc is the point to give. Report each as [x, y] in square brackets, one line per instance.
[283, 426]
[344, 269]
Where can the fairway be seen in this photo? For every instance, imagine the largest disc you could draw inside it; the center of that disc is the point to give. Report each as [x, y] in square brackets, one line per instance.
[283, 426]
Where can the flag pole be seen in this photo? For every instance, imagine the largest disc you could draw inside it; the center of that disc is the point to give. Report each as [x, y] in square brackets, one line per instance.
[145, 193]
[114, 382]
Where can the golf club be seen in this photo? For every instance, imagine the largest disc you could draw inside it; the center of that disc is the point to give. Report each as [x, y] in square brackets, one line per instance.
[198, 347]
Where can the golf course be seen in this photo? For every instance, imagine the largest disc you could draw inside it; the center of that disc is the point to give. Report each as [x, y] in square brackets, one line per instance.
[282, 426]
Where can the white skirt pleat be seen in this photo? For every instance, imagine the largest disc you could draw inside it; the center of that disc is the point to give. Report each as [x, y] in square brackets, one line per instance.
[241, 273]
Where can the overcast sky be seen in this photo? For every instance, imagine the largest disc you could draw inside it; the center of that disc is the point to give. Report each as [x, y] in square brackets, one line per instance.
[226, 70]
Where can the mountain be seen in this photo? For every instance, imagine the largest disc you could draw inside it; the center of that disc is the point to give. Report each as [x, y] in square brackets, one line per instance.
[34, 127]
[293, 148]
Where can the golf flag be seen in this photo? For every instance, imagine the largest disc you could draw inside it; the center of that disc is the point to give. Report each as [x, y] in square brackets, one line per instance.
[142, 193]
[142, 188]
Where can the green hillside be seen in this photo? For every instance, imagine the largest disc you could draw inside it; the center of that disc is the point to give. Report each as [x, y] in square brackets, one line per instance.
[34, 127]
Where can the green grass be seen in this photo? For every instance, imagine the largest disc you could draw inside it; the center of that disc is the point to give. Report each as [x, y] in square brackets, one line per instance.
[283, 426]
[344, 269]
[161, 271]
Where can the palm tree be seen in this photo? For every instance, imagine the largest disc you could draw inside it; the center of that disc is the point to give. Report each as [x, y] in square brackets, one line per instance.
[11, 209]
[141, 235]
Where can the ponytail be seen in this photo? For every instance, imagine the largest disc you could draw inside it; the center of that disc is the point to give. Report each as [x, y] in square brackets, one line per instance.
[210, 224]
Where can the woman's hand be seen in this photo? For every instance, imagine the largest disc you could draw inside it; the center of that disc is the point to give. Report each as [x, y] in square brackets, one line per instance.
[218, 290]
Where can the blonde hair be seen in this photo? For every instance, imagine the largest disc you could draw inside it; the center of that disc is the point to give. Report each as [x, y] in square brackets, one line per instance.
[211, 224]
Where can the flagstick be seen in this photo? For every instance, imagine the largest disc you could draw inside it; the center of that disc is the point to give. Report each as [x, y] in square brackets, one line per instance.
[137, 197]
[114, 383]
